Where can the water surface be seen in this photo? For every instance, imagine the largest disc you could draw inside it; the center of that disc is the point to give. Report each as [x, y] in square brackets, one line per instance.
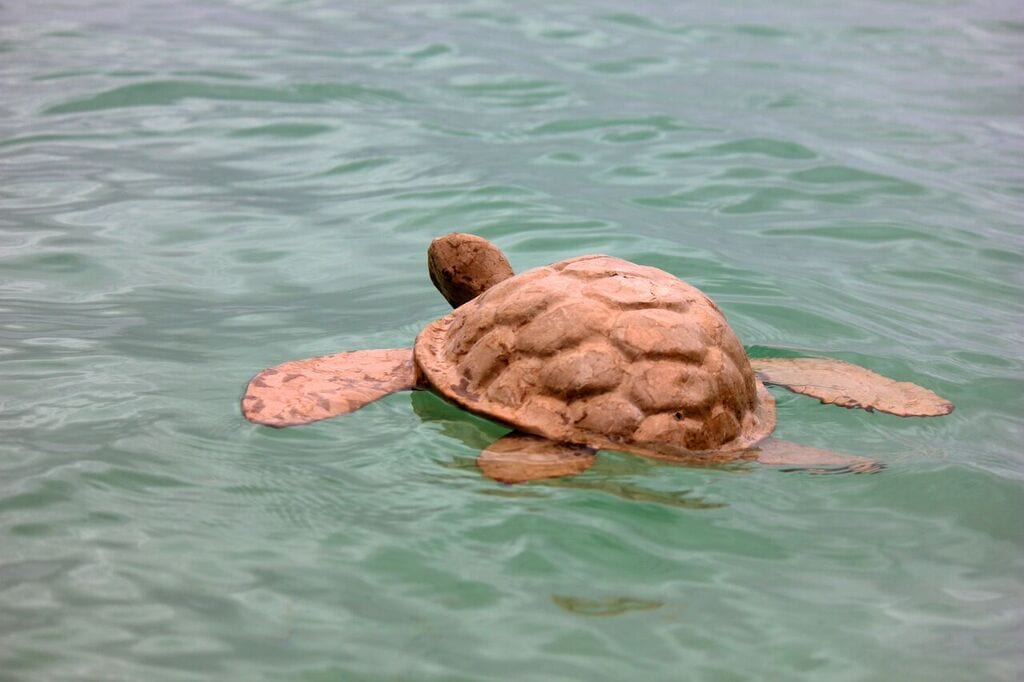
[192, 191]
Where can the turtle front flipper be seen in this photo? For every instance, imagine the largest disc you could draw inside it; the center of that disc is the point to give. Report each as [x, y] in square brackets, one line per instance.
[304, 391]
[835, 382]
[518, 457]
[796, 457]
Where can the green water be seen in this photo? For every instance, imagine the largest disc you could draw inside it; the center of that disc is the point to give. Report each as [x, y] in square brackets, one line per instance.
[192, 191]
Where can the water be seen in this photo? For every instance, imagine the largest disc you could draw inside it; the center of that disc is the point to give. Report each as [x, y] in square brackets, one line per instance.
[192, 191]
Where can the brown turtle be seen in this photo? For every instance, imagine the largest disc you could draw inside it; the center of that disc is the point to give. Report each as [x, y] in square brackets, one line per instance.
[586, 354]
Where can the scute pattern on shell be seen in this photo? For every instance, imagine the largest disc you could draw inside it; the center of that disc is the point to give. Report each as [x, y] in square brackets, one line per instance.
[600, 351]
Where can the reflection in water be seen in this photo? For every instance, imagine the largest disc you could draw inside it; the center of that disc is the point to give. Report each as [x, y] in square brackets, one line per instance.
[608, 606]
[684, 499]
[608, 476]
[474, 431]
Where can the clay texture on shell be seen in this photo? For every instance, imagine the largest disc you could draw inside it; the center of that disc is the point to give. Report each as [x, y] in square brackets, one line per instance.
[603, 352]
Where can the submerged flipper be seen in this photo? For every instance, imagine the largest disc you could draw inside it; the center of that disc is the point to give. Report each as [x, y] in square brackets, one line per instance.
[796, 457]
[519, 457]
[840, 383]
[304, 391]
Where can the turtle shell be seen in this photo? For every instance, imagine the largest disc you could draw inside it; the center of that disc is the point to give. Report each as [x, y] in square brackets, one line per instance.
[603, 352]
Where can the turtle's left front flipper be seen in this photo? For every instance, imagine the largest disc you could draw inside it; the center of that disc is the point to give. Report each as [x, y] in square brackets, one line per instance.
[840, 383]
[304, 391]
[519, 457]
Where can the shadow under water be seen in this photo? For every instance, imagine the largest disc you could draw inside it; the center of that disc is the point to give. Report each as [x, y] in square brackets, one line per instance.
[607, 476]
[609, 606]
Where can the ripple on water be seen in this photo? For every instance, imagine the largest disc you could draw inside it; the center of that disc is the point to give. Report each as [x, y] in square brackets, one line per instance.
[510, 92]
[748, 198]
[610, 129]
[163, 93]
[635, 65]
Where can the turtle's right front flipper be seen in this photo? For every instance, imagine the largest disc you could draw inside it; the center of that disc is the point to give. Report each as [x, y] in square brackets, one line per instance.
[840, 383]
[519, 457]
[304, 391]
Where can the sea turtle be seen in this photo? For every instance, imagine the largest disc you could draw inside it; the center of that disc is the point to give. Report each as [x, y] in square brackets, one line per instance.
[589, 353]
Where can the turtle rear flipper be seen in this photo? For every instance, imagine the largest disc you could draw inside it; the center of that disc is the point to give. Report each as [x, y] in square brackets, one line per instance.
[796, 457]
[518, 457]
[304, 391]
[840, 383]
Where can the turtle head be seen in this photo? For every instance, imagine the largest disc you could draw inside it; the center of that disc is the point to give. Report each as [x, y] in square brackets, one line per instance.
[463, 266]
